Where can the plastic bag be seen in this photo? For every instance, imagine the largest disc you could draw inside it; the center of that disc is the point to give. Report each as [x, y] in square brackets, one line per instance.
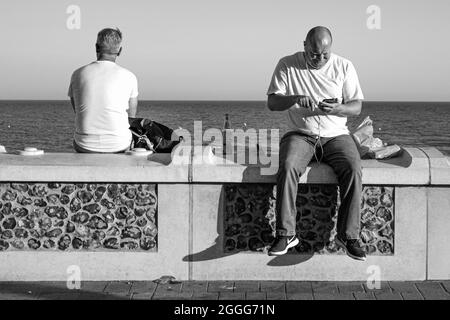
[370, 147]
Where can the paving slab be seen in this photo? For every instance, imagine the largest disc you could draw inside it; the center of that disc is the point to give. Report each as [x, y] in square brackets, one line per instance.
[388, 296]
[173, 296]
[231, 295]
[53, 286]
[101, 296]
[225, 290]
[17, 296]
[331, 296]
[118, 288]
[431, 286]
[403, 287]
[244, 286]
[255, 296]
[430, 295]
[218, 286]
[276, 295]
[94, 286]
[59, 296]
[446, 285]
[300, 296]
[383, 287]
[142, 296]
[273, 286]
[349, 287]
[26, 290]
[324, 287]
[92, 296]
[433, 290]
[143, 287]
[168, 288]
[205, 296]
[165, 295]
[299, 287]
[184, 296]
[364, 295]
[195, 286]
[411, 296]
[115, 297]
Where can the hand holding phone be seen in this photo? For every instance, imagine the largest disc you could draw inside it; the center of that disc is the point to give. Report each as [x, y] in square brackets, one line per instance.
[333, 100]
[328, 105]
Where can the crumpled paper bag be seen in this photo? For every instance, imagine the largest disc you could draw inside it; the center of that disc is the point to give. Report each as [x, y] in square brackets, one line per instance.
[370, 147]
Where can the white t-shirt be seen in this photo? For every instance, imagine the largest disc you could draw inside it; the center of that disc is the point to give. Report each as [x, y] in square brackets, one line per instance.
[336, 79]
[101, 91]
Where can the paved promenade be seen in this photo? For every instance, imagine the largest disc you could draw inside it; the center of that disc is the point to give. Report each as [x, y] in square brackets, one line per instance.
[225, 290]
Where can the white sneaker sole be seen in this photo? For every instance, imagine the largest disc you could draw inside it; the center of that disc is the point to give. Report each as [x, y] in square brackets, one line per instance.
[342, 246]
[280, 253]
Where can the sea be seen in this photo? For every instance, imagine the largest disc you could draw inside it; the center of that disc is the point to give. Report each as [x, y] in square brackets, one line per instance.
[49, 125]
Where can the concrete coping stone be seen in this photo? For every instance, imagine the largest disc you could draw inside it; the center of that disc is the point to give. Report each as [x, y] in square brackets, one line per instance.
[439, 166]
[411, 168]
[78, 167]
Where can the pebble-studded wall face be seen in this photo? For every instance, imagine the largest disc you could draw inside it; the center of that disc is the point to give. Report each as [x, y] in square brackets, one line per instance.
[54, 216]
[249, 218]
[61, 216]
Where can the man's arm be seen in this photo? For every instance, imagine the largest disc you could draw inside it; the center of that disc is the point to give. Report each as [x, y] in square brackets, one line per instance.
[72, 102]
[281, 103]
[347, 109]
[132, 107]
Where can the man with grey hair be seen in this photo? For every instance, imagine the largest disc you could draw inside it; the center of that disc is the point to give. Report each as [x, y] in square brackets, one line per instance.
[103, 96]
[318, 90]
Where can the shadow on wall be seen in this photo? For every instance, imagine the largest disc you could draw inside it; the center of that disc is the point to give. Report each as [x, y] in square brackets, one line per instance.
[246, 223]
[404, 160]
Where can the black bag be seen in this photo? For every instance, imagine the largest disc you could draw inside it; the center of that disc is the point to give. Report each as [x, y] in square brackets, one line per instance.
[151, 135]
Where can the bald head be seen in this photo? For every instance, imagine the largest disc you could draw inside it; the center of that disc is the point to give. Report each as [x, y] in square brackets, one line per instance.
[319, 36]
[318, 47]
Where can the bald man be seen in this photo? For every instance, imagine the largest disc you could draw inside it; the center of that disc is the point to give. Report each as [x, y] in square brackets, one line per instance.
[317, 90]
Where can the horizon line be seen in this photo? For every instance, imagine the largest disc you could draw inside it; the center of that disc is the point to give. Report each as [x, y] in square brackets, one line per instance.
[232, 100]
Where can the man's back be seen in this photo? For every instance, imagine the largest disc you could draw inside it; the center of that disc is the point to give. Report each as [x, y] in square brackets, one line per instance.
[101, 91]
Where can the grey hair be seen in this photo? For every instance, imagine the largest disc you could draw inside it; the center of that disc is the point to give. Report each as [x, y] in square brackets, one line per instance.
[109, 41]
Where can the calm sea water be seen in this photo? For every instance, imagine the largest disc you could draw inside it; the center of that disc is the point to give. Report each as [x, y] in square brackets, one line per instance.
[49, 124]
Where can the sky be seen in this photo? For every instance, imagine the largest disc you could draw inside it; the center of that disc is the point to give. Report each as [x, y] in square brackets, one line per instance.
[227, 49]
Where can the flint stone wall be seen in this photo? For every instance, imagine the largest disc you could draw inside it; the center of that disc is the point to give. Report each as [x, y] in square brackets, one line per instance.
[58, 216]
[78, 216]
[250, 218]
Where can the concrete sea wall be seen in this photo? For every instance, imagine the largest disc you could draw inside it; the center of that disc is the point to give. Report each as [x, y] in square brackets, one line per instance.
[122, 217]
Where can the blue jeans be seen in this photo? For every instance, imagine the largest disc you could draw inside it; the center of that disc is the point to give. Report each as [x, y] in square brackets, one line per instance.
[341, 153]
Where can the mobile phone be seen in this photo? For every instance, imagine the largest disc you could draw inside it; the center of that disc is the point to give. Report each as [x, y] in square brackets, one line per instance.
[333, 100]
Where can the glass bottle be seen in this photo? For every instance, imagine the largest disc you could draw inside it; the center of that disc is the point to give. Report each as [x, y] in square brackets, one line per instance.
[226, 132]
[227, 123]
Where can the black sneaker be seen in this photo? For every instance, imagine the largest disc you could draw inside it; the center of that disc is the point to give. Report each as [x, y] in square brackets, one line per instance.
[352, 248]
[282, 244]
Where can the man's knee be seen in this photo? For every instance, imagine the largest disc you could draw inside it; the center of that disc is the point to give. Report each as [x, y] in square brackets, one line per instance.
[352, 166]
[290, 167]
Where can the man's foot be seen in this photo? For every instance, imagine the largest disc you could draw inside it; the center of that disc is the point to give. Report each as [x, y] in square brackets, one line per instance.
[352, 248]
[282, 244]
